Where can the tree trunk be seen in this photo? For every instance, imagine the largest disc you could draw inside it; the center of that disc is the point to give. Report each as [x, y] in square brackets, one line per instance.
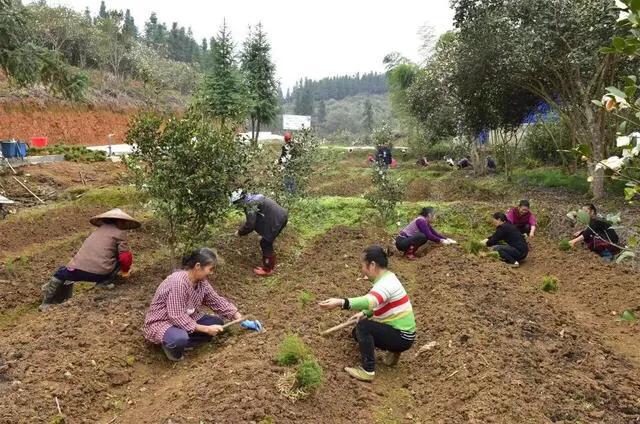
[257, 130]
[597, 139]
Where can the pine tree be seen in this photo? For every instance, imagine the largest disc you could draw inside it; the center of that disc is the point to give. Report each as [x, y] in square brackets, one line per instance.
[129, 29]
[367, 120]
[102, 14]
[322, 111]
[259, 73]
[87, 15]
[223, 95]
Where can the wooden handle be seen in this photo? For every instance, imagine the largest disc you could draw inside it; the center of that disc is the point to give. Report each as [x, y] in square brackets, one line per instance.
[351, 321]
[234, 322]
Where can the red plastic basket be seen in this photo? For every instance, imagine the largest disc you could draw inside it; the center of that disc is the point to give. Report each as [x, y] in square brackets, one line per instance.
[39, 141]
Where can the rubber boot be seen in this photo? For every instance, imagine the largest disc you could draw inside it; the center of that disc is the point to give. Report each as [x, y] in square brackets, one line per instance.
[411, 253]
[268, 264]
[50, 292]
[65, 293]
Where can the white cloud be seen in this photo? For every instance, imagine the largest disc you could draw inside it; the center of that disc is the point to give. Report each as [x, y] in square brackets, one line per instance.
[309, 39]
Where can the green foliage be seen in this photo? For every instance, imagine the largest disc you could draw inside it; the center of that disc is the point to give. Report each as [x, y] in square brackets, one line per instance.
[628, 315]
[292, 350]
[549, 284]
[305, 298]
[314, 216]
[388, 191]
[552, 178]
[188, 168]
[383, 135]
[309, 375]
[160, 73]
[259, 72]
[367, 116]
[71, 153]
[564, 245]
[546, 142]
[473, 247]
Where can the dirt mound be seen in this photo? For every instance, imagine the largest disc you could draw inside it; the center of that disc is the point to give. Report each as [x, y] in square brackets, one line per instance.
[65, 125]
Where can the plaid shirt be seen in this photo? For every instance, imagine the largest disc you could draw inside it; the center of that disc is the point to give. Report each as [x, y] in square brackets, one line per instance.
[176, 304]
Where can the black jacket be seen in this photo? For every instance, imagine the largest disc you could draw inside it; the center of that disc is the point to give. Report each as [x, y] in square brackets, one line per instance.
[264, 216]
[509, 234]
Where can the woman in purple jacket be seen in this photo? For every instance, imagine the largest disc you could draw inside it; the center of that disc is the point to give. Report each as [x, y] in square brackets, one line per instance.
[418, 232]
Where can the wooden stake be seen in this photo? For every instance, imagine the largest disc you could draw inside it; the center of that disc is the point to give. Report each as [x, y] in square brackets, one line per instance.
[27, 188]
[58, 405]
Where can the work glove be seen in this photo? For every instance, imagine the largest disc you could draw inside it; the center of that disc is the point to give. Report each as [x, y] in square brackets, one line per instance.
[254, 325]
[452, 241]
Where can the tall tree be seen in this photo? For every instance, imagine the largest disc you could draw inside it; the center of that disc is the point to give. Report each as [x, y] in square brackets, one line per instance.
[102, 14]
[222, 95]
[129, 28]
[322, 111]
[262, 86]
[367, 116]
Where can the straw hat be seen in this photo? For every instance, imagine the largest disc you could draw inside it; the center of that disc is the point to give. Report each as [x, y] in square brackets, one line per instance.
[129, 222]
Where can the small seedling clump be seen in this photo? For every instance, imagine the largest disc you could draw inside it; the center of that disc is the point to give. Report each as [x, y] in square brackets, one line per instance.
[292, 350]
[564, 246]
[549, 284]
[474, 247]
[309, 375]
[629, 316]
[305, 298]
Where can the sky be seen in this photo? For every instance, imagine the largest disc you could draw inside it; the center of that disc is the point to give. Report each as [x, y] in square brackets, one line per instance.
[309, 39]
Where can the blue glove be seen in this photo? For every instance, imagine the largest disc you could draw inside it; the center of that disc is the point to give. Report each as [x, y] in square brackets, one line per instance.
[251, 325]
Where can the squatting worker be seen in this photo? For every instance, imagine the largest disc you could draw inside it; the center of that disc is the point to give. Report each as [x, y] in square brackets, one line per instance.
[265, 217]
[523, 219]
[599, 236]
[385, 319]
[418, 232]
[103, 255]
[174, 320]
[507, 241]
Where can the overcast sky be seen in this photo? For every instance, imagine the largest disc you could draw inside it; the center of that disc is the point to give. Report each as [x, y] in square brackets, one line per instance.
[309, 39]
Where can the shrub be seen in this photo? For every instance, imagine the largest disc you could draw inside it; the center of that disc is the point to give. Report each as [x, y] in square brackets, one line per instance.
[544, 140]
[305, 298]
[549, 284]
[387, 192]
[564, 245]
[309, 375]
[292, 350]
[71, 153]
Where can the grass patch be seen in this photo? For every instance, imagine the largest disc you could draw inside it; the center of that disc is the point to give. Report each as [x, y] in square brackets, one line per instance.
[10, 317]
[315, 216]
[111, 197]
[397, 404]
[305, 298]
[552, 178]
[71, 153]
[473, 247]
[564, 245]
[292, 350]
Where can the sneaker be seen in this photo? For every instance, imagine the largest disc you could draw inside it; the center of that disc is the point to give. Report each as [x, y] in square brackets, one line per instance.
[516, 264]
[262, 272]
[391, 359]
[170, 355]
[360, 374]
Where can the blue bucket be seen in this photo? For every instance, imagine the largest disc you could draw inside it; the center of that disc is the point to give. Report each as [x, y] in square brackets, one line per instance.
[21, 150]
[9, 149]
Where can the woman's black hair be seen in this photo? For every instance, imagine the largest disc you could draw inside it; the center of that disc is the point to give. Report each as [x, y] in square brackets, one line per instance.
[500, 216]
[377, 255]
[427, 211]
[524, 203]
[592, 208]
[202, 256]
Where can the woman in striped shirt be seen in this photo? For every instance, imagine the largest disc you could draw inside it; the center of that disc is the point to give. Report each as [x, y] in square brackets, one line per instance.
[385, 319]
[174, 320]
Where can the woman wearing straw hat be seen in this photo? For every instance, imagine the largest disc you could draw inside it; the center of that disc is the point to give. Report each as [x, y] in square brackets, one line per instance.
[102, 255]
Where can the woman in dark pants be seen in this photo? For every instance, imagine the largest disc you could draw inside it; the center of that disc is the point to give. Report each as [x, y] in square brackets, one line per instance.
[516, 247]
[418, 232]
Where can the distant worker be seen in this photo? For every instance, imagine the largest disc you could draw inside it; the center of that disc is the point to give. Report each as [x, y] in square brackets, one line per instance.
[449, 161]
[599, 236]
[418, 232]
[385, 320]
[384, 156]
[265, 217]
[103, 255]
[515, 247]
[174, 319]
[422, 162]
[491, 164]
[465, 162]
[286, 157]
[523, 219]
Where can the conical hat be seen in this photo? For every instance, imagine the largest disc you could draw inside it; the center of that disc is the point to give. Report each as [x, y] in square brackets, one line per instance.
[129, 222]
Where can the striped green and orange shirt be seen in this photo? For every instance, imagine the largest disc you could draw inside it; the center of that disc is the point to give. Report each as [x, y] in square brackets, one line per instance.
[388, 303]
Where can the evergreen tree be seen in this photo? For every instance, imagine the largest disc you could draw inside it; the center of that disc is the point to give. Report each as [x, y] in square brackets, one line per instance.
[367, 120]
[129, 28]
[322, 111]
[87, 15]
[223, 95]
[102, 14]
[259, 73]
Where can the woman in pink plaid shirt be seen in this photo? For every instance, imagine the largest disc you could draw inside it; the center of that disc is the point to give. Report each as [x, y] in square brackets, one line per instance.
[174, 320]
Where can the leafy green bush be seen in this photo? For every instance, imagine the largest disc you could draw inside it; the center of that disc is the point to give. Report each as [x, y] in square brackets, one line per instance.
[549, 284]
[292, 350]
[543, 140]
[387, 193]
[473, 247]
[564, 245]
[309, 375]
[305, 298]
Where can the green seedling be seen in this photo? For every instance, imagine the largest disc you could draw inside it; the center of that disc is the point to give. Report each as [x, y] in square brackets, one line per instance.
[495, 256]
[549, 284]
[629, 316]
[309, 375]
[564, 245]
[474, 247]
[292, 350]
[305, 298]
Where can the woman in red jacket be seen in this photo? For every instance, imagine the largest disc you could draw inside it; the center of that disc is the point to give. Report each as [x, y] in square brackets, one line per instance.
[102, 255]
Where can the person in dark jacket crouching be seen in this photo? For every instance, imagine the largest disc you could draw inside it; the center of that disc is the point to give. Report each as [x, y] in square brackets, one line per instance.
[515, 247]
[265, 217]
